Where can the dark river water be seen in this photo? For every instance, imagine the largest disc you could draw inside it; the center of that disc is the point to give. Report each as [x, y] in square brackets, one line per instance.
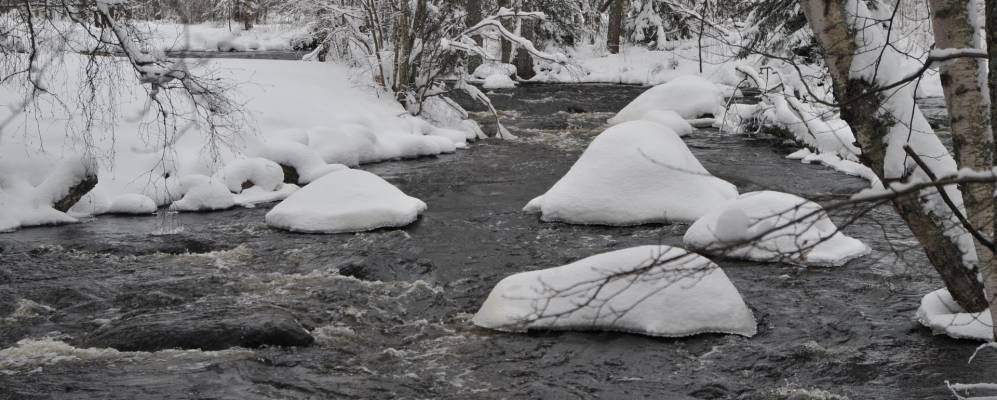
[389, 310]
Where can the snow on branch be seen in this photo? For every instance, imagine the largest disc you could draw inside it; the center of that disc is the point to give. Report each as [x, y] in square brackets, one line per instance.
[493, 25]
[504, 12]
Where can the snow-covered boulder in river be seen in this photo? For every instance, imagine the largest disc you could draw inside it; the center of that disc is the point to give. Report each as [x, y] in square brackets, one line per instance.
[690, 96]
[201, 193]
[651, 290]
[791, 228]
[499, 81]
[633, 173]
[670, 119]
[345, 201]
[943, 315]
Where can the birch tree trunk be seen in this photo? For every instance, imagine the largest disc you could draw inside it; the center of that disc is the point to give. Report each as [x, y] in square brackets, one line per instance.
[969, 113]
[408, 28]
[871, 114]
[991, 29]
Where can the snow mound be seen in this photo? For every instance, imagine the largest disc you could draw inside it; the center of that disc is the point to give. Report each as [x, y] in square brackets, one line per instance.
[634, 173]
[670, 119]
[488, 69]
[132, 203]
[345, 201]
[678, 293]
[248, 172]
[305, 161]
[943, 315]
[813, 240]
[201, 193]
[499, 81]
[690, 96]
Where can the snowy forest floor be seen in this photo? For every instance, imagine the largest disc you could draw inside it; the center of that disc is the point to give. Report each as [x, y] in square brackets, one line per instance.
[390, 309]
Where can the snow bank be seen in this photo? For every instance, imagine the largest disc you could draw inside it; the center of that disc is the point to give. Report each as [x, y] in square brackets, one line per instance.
[345, 201]
[307, 164]
[24, 204]
[943, 315]
[331, 120]
[132, 203]
[633, 173]
[813, 240]
[677, 293]
[689, 96]
[634, 65]
[18, 206]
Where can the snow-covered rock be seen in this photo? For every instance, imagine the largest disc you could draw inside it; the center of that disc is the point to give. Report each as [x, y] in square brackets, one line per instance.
[201, 193]
[248, 172]
[940, 312]
[670, 119]
[18, 207]
[488, 69]
[791, 229]
[345, 201]
[634, 173]
[690, 96]
[499, 81]
[676, 293]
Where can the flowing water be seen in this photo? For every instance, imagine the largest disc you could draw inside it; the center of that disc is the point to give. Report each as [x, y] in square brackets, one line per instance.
[390, 309]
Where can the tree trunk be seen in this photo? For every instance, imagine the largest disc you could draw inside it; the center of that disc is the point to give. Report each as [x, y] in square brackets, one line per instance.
[972, 133]
[506, 45]
[991, 29]
[523, 59]
[858, 96]
[615, 30]
[473, 18]
[408, 28]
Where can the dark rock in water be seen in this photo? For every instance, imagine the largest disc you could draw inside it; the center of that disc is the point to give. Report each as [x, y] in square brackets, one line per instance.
[146, 299]
[76, 193]
[290, 174]
[211, 329]
[576, 109]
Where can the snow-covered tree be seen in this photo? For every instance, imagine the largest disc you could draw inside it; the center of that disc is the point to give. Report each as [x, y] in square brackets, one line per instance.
[876, 98]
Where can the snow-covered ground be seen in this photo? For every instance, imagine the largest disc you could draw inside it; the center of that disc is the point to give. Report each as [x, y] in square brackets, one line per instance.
[309, 116]
[676, 293]
[171, 36]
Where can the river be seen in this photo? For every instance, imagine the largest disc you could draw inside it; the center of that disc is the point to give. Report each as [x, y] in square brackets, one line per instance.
[390, 309]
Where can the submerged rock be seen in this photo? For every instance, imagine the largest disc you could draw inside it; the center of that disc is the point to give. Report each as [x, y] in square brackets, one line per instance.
[212, 330]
